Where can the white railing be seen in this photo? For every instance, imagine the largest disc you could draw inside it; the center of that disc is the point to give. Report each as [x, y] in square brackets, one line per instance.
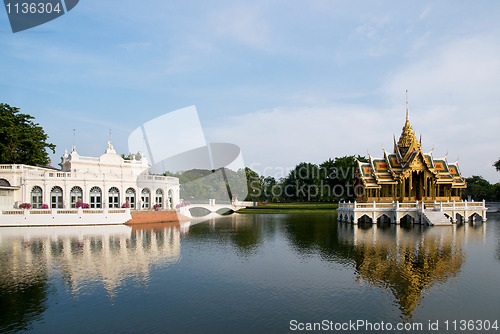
[156, 178]
[55, 212]
[438, 206]
[22, 168]
[89, 159]
[50, 175]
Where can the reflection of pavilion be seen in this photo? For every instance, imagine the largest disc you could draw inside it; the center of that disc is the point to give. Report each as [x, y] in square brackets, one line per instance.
[408, 261]
[88, 254]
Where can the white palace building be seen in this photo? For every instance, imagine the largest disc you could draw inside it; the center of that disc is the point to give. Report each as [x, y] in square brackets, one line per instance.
[108, 181]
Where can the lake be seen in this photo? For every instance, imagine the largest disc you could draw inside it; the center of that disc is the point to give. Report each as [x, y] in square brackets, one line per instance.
[251, 274]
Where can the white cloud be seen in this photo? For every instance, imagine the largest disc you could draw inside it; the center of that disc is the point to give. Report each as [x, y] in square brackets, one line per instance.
[465, 71]
[424, 13]
[453, 103]
[283, 137]
[243, 23]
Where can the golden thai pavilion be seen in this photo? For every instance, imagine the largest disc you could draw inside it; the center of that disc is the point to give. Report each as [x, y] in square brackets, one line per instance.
[408, 174]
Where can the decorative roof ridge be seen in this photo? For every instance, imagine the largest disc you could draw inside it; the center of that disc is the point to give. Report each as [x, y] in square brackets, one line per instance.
[372, 167]
[396, 150]
[393, 173]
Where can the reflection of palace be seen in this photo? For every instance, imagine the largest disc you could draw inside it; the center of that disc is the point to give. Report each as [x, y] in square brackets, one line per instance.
[107, 181]
[407, 262]
[107, 254]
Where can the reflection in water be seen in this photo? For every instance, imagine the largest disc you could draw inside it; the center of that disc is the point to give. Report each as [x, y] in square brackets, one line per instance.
[247, 235]
[23, 287]
[255, 270]
[106, 255]
[408, 261]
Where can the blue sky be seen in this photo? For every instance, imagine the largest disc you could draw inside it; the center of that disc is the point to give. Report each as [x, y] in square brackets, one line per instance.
[287, 81]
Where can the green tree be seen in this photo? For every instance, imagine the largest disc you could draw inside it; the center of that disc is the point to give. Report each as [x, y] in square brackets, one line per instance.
[255, 185]
[337, 178]
[270, 187]
[303, 183]
[21, 140]
[479, 188]
[497, 165]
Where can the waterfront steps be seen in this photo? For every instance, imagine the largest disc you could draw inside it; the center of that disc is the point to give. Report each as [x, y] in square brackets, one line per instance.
[436, 218]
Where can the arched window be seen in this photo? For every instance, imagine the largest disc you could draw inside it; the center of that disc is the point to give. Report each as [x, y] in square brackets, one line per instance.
[56, 198]
[145, 198]
[114, 198]
[4, 182]
[75, 195]
[130, 197]
[159, 198]
[170, 199]
[36, 197]
[95, 198]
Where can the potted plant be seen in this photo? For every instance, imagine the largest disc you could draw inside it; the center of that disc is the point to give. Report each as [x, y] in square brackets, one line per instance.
[82, 205]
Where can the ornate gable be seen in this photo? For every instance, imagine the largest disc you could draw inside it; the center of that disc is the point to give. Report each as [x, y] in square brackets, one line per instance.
[407, 144]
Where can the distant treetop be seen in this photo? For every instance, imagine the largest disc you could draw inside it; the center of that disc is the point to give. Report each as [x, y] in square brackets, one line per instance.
[21, 140]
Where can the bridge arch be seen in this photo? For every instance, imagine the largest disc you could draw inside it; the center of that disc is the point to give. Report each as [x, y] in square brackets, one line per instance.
[408, 218]
[365, 219]
[383, 218]
[475, 216]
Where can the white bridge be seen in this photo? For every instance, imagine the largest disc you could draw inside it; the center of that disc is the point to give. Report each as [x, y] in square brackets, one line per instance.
[432, 213]
[214, 209]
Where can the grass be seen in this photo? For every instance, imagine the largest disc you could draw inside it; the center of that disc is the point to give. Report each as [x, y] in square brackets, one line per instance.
[299, 207]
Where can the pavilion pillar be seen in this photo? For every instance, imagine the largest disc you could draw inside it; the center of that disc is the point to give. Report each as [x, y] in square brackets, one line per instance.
[403, 190]
[410, 188]
[422, 187]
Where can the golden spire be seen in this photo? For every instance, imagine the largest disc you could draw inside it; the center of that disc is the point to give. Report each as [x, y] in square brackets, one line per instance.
[407, 141]
[407, 118]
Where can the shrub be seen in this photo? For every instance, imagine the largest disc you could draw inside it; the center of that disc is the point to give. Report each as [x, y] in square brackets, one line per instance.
[25, 206]
[82, 205]
[44, 206]
[156, 207]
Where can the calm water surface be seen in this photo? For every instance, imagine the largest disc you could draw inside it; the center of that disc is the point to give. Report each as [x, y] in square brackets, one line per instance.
[246, 274]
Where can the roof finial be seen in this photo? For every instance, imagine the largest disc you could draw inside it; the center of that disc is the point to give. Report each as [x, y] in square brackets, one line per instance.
[407, 105]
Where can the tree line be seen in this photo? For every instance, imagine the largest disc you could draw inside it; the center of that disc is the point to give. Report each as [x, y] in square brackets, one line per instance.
[330, 181]
[22, 141]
